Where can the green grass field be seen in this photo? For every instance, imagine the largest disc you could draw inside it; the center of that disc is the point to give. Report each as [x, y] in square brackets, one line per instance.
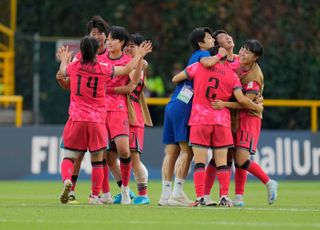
[35, 205]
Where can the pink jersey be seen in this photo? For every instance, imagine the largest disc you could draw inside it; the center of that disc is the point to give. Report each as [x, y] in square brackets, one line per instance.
[118, 102]
[87, 91]
[102, 57]
[251, 87]
[217, 82]
[134, 96]
[233, 65]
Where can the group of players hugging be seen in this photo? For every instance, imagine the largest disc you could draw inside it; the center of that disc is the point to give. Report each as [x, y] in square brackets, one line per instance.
[216, 106]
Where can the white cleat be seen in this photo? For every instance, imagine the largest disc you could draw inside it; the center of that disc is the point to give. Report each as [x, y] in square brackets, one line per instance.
[179, 200]
[272, 187]
[125, 195]
[208, 201]
[64, 197]
[225, 202]
[94, 200]
[163, 201]
[106, 198]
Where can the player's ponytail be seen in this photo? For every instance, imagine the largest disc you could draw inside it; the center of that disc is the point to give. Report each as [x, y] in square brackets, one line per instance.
[89, 47]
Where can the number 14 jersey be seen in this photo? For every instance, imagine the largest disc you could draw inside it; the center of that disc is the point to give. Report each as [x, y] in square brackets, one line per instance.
[87, 91]
[215, 83]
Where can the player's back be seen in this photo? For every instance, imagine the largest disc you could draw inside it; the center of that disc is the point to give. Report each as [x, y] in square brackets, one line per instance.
[87, 90]
[215, 83]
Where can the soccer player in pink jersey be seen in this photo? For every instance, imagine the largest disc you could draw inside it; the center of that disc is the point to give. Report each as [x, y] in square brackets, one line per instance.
[249, 122]
[232, 62]
[210, 128]
[138, 117]
[117, 112]
[98, 28]
[178, 154]
[85, 129]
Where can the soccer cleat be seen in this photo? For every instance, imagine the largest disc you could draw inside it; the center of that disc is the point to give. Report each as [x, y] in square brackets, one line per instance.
[163, 201]
[125, 195]
[72, 198]
[272, 187]
[64, 197]
[197, 203]
[141, 200]
[94, 200]
[238, 201]
[117, 198]
[106, 198]
[225, 202]
[209, 202]
[179, 200]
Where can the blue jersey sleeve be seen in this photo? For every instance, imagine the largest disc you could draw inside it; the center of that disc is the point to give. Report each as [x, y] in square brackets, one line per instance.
[197, 55]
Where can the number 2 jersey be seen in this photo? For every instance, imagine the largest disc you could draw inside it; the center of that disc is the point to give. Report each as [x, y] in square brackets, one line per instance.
[87, 91]
[215, 83]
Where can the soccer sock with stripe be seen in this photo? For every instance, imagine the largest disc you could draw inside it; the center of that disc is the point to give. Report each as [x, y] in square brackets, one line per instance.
[256, 170]
[223, 175]
[211, 172]
[125, 168]
[240, 179]
[105, 182]
[199, 176]
[96, 177]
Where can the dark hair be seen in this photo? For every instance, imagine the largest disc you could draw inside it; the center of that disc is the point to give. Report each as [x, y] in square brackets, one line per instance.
[99, 23]
[137, 38]
[254, 46]
[88, 47]
[217, 32]
[214, 50]
[197, 35]
[119, 32]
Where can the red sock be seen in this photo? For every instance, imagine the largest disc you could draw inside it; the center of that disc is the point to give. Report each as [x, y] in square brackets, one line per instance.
[257, 171]
[211, 172]
[142, 189]
[66, 169]
[199, 176]
[74, 179]
[223, 175]
[240, 179]
[125, 168]
[105, 183]
[96, 177]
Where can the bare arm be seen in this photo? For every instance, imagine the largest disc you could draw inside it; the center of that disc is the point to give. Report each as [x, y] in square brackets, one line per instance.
[218, 104]
[212, 60]
[246, 102]
[63, 81]
[126, 89]
[143, 49]
[135, 75]
[180, 77]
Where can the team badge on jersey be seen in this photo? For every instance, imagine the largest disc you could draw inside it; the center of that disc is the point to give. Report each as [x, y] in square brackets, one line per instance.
[250, 84]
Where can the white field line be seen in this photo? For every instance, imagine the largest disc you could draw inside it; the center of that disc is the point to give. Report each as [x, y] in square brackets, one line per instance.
[83, 205]
[176, 222]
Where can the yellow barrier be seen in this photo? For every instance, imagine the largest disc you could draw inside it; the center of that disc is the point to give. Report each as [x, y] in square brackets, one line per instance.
[313, 104]
[18, 101]
[7, 68]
